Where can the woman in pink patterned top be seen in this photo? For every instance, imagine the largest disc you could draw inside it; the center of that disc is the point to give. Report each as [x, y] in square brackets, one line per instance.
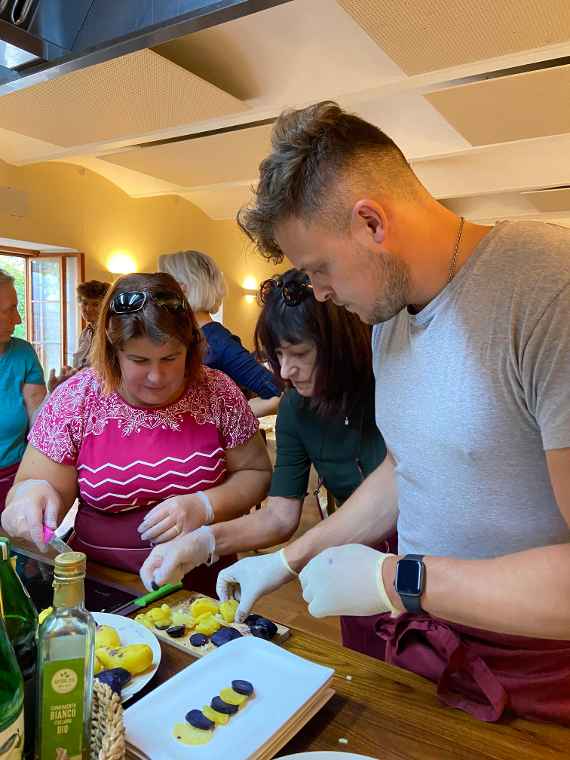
[152, 442]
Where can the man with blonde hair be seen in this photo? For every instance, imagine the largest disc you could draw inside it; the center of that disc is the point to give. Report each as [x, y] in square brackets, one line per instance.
[472, 357]
[22, 386]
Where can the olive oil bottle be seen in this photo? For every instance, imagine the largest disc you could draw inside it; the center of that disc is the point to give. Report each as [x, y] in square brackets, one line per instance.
[21, 621]
[65, 666]
[11, 700]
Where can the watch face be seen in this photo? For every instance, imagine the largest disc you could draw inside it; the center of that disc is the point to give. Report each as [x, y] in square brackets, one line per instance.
[409, 576]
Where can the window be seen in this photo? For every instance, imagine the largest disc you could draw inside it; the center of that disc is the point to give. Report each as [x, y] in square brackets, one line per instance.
[46, 286]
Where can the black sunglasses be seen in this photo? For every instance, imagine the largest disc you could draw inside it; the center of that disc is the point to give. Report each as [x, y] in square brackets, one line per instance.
[134, 300]
[293, 292]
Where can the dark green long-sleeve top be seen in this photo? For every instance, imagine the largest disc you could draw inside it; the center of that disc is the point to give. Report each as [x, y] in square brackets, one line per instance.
[343, 449]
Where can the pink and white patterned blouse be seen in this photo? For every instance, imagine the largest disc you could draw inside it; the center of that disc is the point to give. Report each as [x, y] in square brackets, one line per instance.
[129, 458]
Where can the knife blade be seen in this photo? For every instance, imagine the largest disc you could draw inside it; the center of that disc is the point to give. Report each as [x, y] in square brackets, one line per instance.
[142, 601]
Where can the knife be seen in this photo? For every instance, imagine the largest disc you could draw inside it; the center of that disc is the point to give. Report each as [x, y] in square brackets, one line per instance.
[55, 542]
[142, 601]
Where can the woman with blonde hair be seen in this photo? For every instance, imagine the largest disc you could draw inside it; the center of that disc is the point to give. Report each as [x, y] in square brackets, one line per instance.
[204, 286]
[153, 443]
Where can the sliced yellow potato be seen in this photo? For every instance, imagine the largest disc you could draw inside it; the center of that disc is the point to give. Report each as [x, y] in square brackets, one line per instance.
[232, 697]
[136, 658]
[106, 636]
[228, 610]
[219, 718]
[187, 734]
[203, 605]
[208, 625]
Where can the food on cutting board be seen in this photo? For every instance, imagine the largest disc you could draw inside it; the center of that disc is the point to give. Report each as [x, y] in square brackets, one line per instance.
[204, 623]
[115, 664]
[200, 724]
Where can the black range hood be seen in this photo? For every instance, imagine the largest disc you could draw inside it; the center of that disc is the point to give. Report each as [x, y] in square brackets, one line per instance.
[42, 39]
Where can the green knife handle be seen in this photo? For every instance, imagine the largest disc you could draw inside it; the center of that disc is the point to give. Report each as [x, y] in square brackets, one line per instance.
[152, 596]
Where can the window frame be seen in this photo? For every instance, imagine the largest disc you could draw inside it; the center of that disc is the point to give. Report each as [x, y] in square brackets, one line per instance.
[29, 255]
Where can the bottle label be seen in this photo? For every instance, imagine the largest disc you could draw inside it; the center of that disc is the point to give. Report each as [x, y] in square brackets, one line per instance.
[12, 739]
[62, 710]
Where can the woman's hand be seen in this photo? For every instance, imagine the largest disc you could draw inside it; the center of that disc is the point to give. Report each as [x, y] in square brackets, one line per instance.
[169, 562]
[32, 504]
[251, 578]
[173, 517]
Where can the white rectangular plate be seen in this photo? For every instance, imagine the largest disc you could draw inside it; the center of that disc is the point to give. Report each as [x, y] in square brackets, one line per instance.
[283, 683]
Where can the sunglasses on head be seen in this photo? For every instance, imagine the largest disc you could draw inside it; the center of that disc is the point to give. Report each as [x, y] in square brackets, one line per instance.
[134, 300]
[293, 292]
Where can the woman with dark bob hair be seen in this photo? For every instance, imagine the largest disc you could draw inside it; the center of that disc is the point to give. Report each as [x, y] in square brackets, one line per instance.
[326, 418]
[154, 444]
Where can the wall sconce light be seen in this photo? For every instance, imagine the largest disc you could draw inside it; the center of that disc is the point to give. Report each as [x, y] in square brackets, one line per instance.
[121, 263]
[249, 287]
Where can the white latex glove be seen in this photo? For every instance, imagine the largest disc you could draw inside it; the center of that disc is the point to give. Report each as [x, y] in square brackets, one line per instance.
[172, 517]
[346, 580]
[251, 578]
[169, 562]
[33, 504]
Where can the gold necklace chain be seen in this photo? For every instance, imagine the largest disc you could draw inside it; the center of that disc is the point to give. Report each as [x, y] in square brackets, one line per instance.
[453, 261]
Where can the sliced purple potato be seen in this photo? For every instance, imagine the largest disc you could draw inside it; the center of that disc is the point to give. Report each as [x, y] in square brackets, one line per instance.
[225, 634]
[116, 678]
[197, 719]
[218, 704]
[176, 631]
[198, 640]
[243, 687]
[264, 629]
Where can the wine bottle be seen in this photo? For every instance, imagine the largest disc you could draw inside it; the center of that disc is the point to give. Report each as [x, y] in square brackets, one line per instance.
[21, 621]
[66, 640]
[11, 700]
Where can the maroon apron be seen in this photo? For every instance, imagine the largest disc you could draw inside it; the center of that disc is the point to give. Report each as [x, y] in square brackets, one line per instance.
[113, 539]
[485, 674]
[359, 633]
[7, 475]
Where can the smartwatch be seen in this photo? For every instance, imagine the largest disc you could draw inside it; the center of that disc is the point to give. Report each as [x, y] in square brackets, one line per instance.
[410, 581]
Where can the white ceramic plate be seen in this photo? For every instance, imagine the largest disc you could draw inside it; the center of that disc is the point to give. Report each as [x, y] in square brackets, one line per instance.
[327, 756]
[131, 632]
[283, 683]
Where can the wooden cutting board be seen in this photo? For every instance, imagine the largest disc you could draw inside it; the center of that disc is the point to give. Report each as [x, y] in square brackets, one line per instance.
[181, 600]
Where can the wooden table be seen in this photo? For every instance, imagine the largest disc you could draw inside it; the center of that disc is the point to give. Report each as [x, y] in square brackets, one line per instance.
[385, 712]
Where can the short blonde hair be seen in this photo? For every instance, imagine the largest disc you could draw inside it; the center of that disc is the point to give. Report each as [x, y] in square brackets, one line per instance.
[199, 276]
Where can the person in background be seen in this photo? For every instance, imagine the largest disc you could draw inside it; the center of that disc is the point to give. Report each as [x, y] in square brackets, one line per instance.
[471, 356]
[22, 386]
[146, 432]
[325, 419]
[204, 286]
[90, 296]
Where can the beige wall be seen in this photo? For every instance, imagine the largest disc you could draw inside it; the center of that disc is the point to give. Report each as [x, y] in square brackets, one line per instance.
[74, 207]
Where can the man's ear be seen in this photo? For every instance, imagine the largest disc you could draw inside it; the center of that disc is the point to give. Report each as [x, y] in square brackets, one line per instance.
[368, 222]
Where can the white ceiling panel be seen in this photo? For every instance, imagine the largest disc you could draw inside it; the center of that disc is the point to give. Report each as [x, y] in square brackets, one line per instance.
[132, 95]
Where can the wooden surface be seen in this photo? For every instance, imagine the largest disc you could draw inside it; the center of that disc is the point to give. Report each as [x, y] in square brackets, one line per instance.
[383, 712]
[387, 713]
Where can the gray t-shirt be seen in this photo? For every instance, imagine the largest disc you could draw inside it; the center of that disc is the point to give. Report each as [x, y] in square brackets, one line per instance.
[470, 393]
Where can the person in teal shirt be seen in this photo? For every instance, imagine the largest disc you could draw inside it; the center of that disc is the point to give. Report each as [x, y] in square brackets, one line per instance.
[326, 419]
[22, 386]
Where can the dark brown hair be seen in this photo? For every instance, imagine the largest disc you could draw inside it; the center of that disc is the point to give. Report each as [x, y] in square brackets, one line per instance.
[322, 159]
[93, 289]
[153, 321]
[343, 343]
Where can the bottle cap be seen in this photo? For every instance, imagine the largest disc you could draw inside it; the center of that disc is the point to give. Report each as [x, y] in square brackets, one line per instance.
[4, 547]
[70, 566]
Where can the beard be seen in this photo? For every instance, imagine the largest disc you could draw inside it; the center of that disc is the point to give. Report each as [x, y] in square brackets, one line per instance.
[392, 278]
